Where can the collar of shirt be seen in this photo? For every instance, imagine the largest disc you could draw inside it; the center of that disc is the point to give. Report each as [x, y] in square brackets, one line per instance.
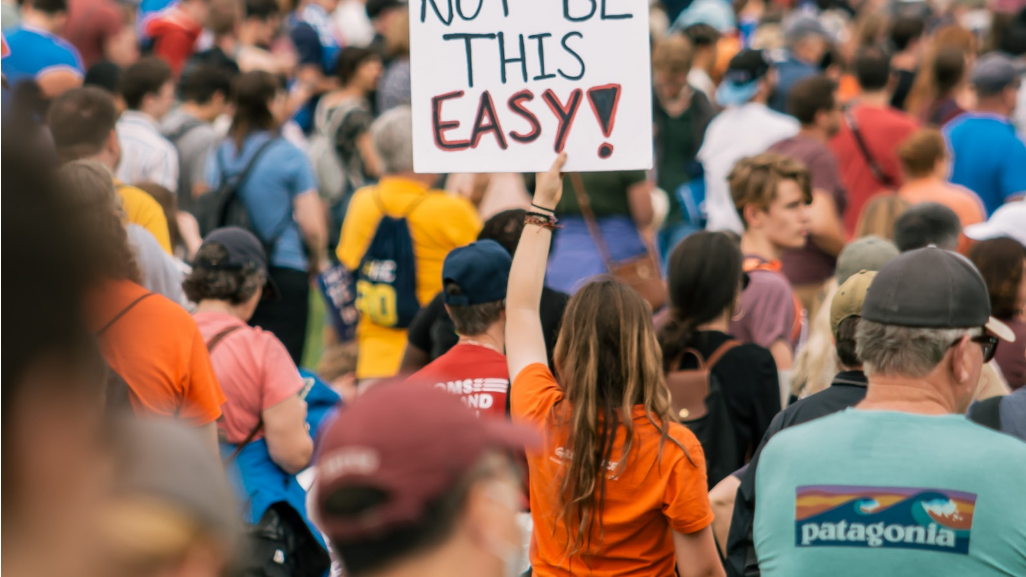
[136, 117]
[853, 378]
[971, 115]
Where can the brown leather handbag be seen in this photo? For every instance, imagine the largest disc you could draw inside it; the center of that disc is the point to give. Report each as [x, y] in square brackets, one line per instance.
[689, 388]
[641, 273]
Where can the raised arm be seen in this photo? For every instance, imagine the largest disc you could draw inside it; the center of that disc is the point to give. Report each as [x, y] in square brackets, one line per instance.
[525, 341]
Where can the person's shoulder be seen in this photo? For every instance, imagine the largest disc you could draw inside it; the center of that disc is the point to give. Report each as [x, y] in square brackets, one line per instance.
[767, 281]
[441, 200]
[136, 197]
[794, 440]
[749, 354]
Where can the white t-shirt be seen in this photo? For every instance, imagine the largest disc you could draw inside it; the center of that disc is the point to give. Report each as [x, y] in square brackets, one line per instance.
[735, 133]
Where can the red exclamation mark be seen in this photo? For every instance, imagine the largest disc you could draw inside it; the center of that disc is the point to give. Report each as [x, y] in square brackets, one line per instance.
[603, 101]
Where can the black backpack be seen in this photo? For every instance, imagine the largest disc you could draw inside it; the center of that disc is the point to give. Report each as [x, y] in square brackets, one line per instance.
[225, 207]
[386, 282]
[698, 400]
[117, 399]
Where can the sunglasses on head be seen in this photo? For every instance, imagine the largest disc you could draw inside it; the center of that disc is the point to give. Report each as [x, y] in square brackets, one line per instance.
[987, 342]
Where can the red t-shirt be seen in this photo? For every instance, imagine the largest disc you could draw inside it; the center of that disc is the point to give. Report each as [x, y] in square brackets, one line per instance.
[174, 37]
[476, 373]
[882, 129]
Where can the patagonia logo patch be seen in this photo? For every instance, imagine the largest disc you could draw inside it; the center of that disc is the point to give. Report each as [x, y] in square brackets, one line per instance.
[883, 517]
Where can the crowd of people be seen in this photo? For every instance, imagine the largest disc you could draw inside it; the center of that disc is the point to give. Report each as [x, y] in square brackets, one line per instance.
[252, 340]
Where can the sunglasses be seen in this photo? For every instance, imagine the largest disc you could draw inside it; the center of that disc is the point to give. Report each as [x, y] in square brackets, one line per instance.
[987, 343]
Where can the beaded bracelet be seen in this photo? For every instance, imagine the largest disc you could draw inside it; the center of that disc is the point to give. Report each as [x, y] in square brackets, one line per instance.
[542, 220]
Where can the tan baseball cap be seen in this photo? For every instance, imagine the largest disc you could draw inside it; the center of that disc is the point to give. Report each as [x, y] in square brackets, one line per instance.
[848, 301]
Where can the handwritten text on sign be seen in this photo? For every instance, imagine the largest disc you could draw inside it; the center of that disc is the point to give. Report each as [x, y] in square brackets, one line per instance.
[502, 85]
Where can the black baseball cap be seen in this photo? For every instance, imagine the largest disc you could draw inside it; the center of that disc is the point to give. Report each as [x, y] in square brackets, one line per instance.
[376, 7]
[481, 269]
[741, 80]
[932, 288]
[244, 250]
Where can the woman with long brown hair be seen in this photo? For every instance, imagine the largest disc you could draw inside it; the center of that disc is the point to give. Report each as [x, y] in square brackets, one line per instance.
[939, 92]
[619, 486]
[276, 183]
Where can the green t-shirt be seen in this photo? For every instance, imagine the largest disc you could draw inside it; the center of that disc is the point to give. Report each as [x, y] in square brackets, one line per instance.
[607, 192]
[677, 150]
[886, 493]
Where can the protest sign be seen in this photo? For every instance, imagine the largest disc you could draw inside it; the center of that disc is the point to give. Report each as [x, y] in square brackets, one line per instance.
[503, 85]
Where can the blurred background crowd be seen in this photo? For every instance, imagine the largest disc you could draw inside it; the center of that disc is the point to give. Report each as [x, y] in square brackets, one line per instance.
[191, 177]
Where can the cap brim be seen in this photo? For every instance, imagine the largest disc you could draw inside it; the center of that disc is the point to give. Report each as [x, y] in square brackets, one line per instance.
[732, 95]
[513, 436]
[982, 231]
[1000, 330]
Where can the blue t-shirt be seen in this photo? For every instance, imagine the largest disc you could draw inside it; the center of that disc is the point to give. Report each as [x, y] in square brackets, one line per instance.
[989, 157]
[34, 52]
[887, 493]
[282, 173]
[312, 32]
[789, 71]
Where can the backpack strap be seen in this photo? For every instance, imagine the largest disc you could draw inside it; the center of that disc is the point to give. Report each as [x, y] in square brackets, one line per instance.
[407, 211]
[124, 311]
[584, 204]
[184, 128]
[216, 340]
[719, 352]
[249, 439]
[706, 364]
[874, 168]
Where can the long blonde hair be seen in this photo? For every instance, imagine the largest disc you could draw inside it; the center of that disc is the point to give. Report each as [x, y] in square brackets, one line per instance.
[608, 361]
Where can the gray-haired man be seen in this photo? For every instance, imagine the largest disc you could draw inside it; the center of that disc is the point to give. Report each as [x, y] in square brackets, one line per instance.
[904, 470]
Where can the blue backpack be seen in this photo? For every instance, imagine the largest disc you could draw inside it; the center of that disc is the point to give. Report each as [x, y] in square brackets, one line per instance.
[386, 282]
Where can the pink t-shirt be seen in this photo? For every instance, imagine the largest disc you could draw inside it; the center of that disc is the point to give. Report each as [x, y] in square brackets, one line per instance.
[254, 369]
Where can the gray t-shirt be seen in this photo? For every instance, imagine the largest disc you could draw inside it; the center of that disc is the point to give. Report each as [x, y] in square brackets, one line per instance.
[194, 140]
[160, 272]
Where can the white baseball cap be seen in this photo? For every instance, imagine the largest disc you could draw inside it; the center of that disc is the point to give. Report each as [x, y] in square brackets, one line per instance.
[1009, 220]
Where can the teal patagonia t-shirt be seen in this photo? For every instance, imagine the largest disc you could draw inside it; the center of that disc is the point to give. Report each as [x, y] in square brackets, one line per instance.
[887, 493]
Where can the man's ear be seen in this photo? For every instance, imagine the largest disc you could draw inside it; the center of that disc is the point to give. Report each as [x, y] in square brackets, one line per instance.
[753, 215]
[960, 361]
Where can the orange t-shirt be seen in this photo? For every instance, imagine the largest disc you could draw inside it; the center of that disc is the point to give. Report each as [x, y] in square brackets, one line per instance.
[653, 493]
[962, 201]
[159, 351]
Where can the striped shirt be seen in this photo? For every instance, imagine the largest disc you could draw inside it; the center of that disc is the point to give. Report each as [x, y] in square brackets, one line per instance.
[146, 156]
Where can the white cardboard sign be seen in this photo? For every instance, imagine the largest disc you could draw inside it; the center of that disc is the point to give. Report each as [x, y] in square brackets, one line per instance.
[502, 85]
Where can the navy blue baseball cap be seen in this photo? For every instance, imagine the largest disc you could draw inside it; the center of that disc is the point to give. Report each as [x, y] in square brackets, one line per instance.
[480, 269]
[244, 251]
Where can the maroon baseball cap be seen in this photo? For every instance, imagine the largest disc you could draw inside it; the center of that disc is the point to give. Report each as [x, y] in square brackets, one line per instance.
[410, 441]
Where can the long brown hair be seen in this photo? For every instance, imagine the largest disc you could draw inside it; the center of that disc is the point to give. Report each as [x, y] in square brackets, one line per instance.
[704, 279]
[608, 362]
[252, 94]
[100, 214]
[927, 88]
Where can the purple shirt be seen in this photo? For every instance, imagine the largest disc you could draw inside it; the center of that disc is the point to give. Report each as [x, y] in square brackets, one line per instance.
[811, 265]
[767, 313]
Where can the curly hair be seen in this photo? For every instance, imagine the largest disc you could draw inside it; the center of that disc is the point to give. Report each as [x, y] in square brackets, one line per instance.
[235, 286]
